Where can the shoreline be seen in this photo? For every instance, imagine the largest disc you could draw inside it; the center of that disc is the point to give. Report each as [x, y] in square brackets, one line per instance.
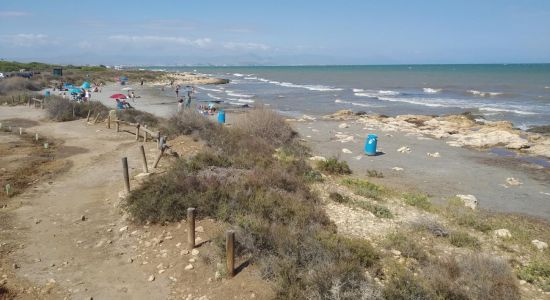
[454, 138]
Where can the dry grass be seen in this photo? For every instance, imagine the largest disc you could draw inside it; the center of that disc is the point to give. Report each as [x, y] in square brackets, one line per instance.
[265, 124]
[62, 110]
[18, 84]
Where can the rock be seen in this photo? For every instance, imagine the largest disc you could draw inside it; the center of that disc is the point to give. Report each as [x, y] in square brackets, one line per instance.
[513, 181]
[469, 201]
[199, 229]
[192, 260]
[540, 245]
[397, 169]
[347, 151]
[345, 114]
[343, 125]
[189, 267]
[178, 245]
[83, 218]
[15, 266]
[404, 149]
[130, 260]
[434, 155]
[395, 252]
[217, 275]
[502, 233]
[184, 252]
[161, 271]
[195, 252]
[317, 158]
[125, 228]
[151, 278]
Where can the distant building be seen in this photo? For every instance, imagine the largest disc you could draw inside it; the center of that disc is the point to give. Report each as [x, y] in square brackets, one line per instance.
[57, 72]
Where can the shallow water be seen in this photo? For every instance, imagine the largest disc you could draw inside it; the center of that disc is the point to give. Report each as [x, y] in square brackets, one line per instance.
[518, 93]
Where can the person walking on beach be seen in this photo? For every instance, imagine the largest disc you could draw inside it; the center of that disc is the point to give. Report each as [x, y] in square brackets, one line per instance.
[141, 81]
[188, 102]
[177, 91]
[133, 96]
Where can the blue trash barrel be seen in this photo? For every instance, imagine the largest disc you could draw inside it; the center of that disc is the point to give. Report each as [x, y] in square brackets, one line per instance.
[370, 144]
[47, 93]
[221, 117]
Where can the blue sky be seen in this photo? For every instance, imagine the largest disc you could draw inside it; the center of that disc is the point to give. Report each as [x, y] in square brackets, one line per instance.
[276, 32]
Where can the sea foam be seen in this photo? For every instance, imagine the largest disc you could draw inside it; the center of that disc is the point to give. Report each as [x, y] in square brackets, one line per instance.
[484, 94]
[431, 91]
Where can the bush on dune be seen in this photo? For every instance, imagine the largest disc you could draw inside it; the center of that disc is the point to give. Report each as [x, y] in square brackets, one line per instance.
[137, 116]
[61, 110]
[18, 84]
[245, 181]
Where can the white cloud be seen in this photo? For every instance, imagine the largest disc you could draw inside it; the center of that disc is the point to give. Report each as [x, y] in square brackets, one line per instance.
[14, 14]
[166, 40]
[245, 46]
[26, 39]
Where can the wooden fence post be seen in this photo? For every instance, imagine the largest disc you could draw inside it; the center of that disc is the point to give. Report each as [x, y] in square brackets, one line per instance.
[109, 121]
[20, 131]
[125, 173]
[191, 228]
[96, 117]
[159, 157]
[143, 159]
[117, 126]
[145, 134]
[137, 132]
[88, 117]
[230, 252]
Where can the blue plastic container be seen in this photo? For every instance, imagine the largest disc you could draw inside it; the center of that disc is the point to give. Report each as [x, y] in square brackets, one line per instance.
[47, 93]
[221, 117]
[370, 144]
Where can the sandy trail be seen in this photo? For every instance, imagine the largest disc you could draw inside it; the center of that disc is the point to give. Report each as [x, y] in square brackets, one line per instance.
[86, 258]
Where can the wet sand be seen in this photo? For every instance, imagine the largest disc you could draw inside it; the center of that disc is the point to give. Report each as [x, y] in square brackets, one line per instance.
[456, 171]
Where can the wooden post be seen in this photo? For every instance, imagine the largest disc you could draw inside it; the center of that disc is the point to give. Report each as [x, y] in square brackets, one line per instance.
[117, 126]
[42, 103]
[8, 189]
[96, 117]
[20, 131]
[230, 252]
[125, 173]
[143, 159]
[137, 132]
[36, 137]
[145, 134]
[191, 228]
[109, 121]
[88, 117]
[159, 157]
[158, 139]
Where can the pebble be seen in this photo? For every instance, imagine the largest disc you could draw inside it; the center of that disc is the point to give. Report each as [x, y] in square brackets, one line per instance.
[194, 252]
[151, 278]
[502, 233]
[347, 151]
[178, 245]
[184, 252]
[125, 228]
[192, 260]
[540, 245]
[189, 267]
[83, 218]
[404, 149]
[161, 271]
[199, 229]
[434, 155]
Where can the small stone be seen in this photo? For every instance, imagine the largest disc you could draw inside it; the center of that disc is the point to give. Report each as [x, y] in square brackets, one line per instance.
[160, 266]
[110, 230]
[540, 245]
[125, 228]
[217, 275]
[395, 252]
[130, 260]
[195, 252]
[83, 218]
[15, 266]
[192, 260]
[161, 271]
[178, 245]
[151, 278]
[252, 296]
[513, 181]
[469, 201]
[522, 282]
[189, 267]
[184, 252]
[502, 233]
[37, 221]
[199, 229]
[174, 279]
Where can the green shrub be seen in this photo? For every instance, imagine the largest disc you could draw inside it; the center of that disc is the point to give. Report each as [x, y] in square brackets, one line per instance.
[375, 174]
[406, 244]
[376, 209]
[417, 200]
[334, 166]
[472, 277]
[364, 188]
[537, 272]
[462, 239]
[403, 285]
[337, 197]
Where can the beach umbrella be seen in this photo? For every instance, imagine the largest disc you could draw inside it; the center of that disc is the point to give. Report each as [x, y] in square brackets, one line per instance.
[75, 91]
[129, 88]
[118, 96]
[86, 85]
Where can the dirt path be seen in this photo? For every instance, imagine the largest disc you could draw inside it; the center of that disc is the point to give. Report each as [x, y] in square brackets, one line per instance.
[85, 258]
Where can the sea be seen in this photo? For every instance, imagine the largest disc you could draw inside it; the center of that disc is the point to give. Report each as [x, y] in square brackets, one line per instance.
[519, 93]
